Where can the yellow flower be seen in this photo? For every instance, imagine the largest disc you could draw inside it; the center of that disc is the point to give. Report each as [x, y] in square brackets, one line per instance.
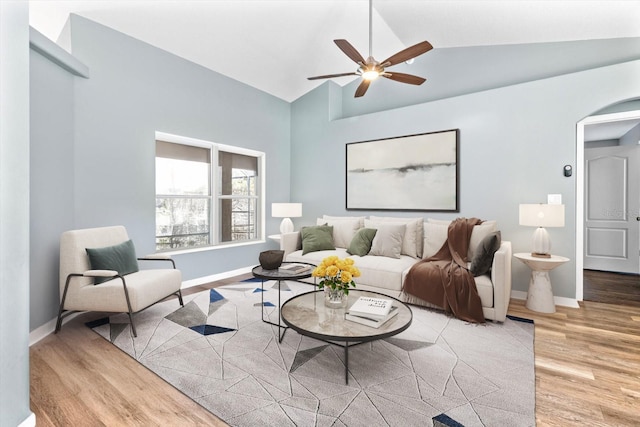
[330, 260]
[319, 271]
[332, 271]
[345, 277]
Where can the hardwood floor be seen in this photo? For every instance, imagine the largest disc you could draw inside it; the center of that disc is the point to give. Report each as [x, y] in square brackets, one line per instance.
[612, 288]
[587, 373]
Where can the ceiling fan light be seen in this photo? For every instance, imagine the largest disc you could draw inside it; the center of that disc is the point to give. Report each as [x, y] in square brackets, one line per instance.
[370, 75]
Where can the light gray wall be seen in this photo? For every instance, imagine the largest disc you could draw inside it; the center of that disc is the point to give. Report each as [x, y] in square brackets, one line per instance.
[602, 143]
[632, 137]
[93, 147]
[14, 213]
[52, 180]
[514, 142]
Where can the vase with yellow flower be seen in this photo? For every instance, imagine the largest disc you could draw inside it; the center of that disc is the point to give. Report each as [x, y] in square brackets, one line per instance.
[336, 277]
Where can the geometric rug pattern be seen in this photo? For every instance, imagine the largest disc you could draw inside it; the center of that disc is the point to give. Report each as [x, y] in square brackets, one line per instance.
[441, 371]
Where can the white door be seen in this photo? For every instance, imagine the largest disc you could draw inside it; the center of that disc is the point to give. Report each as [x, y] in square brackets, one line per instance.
[612, 209]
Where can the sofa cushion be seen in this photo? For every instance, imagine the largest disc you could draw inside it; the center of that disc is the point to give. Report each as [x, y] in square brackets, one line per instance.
[343, 230]
[485, 290]
[412, 243]
[361, 242]
[376, 273]
[435, 234]
[120, 258]
[388, 239]
[317, 238]
[483, 256]
[344, 218]
[434, 237]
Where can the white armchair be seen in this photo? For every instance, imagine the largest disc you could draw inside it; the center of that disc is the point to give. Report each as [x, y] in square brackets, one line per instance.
[119, 293]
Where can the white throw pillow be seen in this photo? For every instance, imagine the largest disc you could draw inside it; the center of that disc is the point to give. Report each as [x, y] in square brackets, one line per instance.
[412, 243]
[343, 230]
[388, 240]
[435, 234]
[344, 218]
[434, 237]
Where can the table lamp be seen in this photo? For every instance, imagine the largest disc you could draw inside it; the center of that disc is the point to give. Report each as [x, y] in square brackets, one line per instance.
[286, 211]
[541, 215]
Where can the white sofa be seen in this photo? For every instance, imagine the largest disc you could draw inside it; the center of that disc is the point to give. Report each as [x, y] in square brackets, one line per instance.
[386, 274]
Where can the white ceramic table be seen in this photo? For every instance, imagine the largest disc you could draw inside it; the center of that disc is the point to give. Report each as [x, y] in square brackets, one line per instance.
[540, 295]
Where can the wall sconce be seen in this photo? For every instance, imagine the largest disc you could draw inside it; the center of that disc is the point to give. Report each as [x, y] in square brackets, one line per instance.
[541, 215]
[286, 211]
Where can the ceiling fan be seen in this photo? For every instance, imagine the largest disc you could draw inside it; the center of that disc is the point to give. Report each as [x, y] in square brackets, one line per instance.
[370, 69]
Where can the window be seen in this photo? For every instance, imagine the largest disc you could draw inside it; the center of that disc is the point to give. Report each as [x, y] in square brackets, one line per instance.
[189, 214]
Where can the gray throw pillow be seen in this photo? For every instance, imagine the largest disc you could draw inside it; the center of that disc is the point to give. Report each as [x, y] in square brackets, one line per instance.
[388, 240]
[361, 243]
[120, 257]
[317, 238]
[483, 255]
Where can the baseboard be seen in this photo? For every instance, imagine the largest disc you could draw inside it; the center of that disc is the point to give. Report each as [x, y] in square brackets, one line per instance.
[215, 277]
[562, 301]
[48, 328]
[29, 422]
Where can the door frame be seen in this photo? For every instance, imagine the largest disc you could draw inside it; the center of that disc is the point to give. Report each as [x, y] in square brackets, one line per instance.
[580, 176]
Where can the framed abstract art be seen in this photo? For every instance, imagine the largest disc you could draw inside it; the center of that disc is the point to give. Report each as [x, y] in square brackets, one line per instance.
[409, 173]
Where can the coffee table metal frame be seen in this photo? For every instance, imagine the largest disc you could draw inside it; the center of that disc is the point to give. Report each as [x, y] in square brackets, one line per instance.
[280, 276]
[354, 333]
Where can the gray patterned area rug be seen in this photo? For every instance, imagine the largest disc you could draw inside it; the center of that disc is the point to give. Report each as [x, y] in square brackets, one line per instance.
[440, 371]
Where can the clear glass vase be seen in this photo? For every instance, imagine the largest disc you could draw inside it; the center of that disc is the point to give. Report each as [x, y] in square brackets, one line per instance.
[335, 298]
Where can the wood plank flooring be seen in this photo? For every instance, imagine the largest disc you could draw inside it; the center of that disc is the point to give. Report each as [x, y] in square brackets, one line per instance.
[611, 288]
[587, 365]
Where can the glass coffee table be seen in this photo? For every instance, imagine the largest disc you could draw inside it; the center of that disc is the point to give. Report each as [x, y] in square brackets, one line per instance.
[280, 276]
[307, 315]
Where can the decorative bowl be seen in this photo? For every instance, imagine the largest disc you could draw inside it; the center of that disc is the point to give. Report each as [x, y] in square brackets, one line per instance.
[270, 260]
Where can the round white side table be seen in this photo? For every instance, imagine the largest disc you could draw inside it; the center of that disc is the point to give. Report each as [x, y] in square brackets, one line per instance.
[540, 295]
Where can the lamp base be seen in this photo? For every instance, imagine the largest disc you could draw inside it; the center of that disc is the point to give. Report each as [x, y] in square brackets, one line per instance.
[537, 255]
[286, 226]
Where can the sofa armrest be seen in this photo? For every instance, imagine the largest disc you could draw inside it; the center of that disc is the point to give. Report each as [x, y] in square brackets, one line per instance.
[290, 242]
[501, 279]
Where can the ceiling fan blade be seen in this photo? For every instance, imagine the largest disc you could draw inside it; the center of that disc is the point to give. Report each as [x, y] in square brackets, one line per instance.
[404, 78]
[407, 54]
[362, 89]
[349, 50]
[329, 76]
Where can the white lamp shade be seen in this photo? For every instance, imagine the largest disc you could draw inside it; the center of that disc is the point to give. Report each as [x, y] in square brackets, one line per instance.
[286, 210]
[542, 215]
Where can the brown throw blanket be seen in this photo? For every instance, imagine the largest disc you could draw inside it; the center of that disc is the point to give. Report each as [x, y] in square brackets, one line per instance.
[444, 279]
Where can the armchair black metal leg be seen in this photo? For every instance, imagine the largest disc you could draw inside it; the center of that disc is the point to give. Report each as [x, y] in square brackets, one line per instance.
[130, 312]
[59, 322]
[133, 326]
[64, 297]
[180, 297]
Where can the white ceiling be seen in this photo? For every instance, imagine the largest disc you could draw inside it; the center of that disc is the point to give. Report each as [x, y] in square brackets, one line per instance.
[273, 45]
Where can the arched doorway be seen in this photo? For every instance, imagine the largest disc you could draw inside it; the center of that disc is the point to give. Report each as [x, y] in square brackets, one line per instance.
[630, 119]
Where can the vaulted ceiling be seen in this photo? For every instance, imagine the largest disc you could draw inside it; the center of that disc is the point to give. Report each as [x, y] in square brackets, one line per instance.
[274, 45]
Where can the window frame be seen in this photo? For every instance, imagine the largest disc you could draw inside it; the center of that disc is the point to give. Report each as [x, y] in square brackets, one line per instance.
[214, 196]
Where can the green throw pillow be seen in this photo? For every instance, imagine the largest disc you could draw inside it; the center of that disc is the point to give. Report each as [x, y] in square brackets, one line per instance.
[361, 242]
[317, 238]
[483, 256]
[121, 258]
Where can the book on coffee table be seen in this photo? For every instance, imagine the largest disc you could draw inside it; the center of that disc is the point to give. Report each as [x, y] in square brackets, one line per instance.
[372, 308]
[294, 268]
[374, 323]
